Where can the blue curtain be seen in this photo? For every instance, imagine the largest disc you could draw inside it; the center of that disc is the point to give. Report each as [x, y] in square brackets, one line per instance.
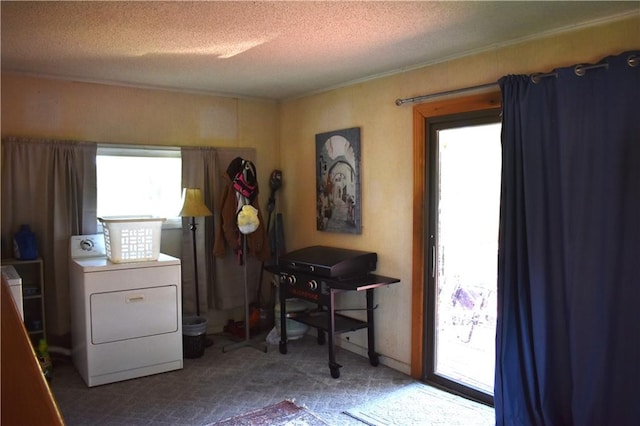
[568, 332]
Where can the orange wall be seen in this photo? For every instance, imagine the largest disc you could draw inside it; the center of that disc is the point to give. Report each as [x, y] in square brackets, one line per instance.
[387, 156]
[59, 109]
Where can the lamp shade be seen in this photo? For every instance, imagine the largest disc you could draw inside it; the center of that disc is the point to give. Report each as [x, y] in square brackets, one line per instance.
[193, 204]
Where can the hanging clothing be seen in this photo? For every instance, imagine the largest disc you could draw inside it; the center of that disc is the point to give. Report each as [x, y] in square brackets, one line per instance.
[227, 290]
[228, 233]
[219, 281]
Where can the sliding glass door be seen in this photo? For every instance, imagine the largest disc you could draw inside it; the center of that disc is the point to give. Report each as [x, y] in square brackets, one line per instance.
[465, 167]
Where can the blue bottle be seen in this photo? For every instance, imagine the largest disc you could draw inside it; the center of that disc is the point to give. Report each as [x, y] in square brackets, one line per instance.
[24, 244]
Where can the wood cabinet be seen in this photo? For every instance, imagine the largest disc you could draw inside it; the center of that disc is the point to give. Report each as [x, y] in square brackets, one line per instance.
[26, 397]
[32, 274]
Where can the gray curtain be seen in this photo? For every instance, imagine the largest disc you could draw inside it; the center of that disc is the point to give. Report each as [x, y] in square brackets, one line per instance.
[51, 186]
[220, 279]
[198, 171]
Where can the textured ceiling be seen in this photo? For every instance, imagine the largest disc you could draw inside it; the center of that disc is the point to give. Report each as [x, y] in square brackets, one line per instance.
[266, 49]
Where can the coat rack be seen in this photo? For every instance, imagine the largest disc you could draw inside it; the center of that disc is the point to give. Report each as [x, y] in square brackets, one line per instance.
[242, 184]
[247, 329]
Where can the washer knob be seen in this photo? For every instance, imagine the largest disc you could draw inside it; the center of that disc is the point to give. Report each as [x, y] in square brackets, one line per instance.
[313, 285]
[86, 245]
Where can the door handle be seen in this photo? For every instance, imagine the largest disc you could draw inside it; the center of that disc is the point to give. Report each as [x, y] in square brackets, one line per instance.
[433, 261]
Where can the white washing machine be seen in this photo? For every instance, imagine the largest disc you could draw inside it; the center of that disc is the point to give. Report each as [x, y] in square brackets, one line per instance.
[126, 318]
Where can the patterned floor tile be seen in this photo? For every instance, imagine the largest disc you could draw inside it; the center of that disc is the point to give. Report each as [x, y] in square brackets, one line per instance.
[221, 384]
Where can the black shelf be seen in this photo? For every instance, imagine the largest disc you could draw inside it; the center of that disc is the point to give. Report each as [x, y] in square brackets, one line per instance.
[320, 320]
[36, 296]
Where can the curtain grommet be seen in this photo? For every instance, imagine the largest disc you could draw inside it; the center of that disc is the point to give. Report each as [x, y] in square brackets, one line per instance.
[537, 77]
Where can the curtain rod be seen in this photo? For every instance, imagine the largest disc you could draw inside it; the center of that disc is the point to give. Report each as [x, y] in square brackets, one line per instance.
[580, 70]
[400, 102]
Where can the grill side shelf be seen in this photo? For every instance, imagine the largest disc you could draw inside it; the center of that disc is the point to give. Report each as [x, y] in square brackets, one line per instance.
[363, 283]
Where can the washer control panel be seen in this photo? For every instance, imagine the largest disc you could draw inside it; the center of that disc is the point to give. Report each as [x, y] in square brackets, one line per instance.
[87, 246]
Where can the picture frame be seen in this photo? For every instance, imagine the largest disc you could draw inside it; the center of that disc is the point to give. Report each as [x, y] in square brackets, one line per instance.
[338, 194]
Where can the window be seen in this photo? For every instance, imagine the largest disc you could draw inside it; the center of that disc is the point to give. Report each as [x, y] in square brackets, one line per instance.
[139, 182]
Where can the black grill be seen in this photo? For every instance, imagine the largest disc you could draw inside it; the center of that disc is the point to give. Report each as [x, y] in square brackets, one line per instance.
[318, 274]
[330, 262]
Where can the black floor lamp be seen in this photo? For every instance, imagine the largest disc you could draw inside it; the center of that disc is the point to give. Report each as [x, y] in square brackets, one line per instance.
[193, 206]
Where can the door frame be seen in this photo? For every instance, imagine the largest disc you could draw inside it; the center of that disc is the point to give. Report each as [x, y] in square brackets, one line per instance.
[421, 112]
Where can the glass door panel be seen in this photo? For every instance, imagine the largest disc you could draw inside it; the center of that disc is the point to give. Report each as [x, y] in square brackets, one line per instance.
[465, 207]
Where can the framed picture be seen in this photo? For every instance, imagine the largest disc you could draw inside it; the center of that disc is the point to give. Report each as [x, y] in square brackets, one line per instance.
[338, 202]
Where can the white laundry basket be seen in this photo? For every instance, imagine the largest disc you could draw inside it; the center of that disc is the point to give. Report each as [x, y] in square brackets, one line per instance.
[132, 238]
